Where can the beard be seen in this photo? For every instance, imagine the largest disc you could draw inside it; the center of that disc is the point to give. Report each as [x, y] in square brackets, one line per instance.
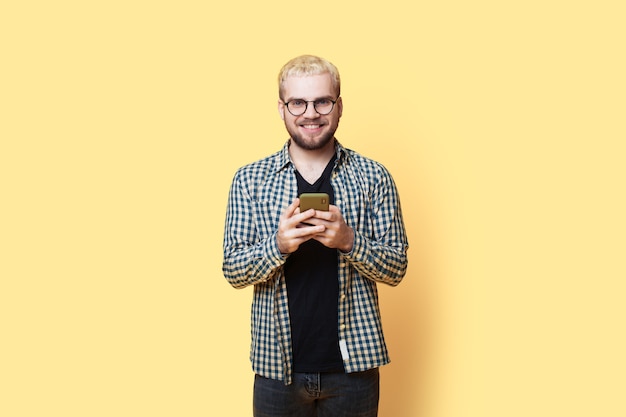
[311, 145]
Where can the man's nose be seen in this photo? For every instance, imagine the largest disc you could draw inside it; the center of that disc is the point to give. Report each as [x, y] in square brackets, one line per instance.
[310, 111]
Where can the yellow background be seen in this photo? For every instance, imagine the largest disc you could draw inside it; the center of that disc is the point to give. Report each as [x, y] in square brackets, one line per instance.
[122, 123]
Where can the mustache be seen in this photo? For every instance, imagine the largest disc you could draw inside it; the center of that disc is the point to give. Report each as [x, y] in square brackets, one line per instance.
[316, 120]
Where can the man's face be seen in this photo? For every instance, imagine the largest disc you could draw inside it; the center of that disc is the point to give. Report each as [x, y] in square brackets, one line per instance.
[311, 130]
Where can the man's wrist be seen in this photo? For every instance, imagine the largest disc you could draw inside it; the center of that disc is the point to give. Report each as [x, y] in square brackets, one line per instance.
[349, 246]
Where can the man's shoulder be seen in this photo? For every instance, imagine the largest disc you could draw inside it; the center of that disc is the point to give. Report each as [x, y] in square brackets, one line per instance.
[261, 167]
[269, 160]
[363, 162]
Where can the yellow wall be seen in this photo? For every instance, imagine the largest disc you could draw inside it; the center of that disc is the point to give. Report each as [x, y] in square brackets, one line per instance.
[123, 122]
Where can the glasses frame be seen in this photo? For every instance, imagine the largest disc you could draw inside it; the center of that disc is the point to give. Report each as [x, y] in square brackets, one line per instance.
[306, 106]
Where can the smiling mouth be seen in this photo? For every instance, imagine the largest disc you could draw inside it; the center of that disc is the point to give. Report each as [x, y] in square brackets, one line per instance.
[311, 126]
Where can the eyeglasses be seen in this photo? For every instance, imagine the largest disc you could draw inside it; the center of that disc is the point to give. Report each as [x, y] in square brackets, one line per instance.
[323, 106]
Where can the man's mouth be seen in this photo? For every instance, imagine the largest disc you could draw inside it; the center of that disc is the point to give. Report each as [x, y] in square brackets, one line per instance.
[311, 126]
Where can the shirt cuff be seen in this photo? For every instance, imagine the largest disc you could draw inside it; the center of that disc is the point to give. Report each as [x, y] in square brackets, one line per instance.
[273, 254]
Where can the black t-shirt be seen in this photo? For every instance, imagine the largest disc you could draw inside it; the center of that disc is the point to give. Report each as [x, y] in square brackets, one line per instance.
[313, 290]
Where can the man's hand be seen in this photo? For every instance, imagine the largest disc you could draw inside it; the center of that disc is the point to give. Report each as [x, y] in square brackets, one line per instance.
[336, 233]
[292, 231]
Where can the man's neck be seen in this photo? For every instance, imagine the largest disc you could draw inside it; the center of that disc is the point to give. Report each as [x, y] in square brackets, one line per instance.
[311, 164]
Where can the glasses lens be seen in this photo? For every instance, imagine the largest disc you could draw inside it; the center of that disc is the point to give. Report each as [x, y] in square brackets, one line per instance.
[296, 107]
[323, 106]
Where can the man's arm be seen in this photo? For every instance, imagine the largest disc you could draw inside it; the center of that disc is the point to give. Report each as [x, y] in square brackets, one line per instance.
[249, 260]
[382, 256]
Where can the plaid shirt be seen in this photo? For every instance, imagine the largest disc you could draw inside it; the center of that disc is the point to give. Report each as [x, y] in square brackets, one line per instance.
[367, 197]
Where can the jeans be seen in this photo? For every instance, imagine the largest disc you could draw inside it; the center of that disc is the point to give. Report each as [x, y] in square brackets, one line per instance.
[318, 395]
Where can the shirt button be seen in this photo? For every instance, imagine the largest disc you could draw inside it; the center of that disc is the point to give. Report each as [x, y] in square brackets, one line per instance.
[342, 326]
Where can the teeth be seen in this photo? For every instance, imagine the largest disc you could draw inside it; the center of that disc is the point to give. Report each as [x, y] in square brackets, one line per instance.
[311, 126]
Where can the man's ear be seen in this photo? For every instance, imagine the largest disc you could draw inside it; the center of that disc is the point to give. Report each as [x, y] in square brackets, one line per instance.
[281, 109]
[340, 106]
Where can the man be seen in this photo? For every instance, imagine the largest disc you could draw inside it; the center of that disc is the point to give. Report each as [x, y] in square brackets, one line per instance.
[317, 340]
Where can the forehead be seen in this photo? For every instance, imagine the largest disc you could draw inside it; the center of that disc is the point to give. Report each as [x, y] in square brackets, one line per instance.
[308, 87]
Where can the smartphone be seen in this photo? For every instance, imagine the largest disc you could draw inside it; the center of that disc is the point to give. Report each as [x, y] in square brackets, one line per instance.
[317, 201]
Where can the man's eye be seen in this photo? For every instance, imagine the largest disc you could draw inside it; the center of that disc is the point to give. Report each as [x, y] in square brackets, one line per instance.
[297, 103]
[322, 102]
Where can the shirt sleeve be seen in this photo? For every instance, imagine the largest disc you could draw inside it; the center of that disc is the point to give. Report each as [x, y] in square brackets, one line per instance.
[382, 255]
[248, 259]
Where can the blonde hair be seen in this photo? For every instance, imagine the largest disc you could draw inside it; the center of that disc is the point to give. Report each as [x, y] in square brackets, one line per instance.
[306, 65]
